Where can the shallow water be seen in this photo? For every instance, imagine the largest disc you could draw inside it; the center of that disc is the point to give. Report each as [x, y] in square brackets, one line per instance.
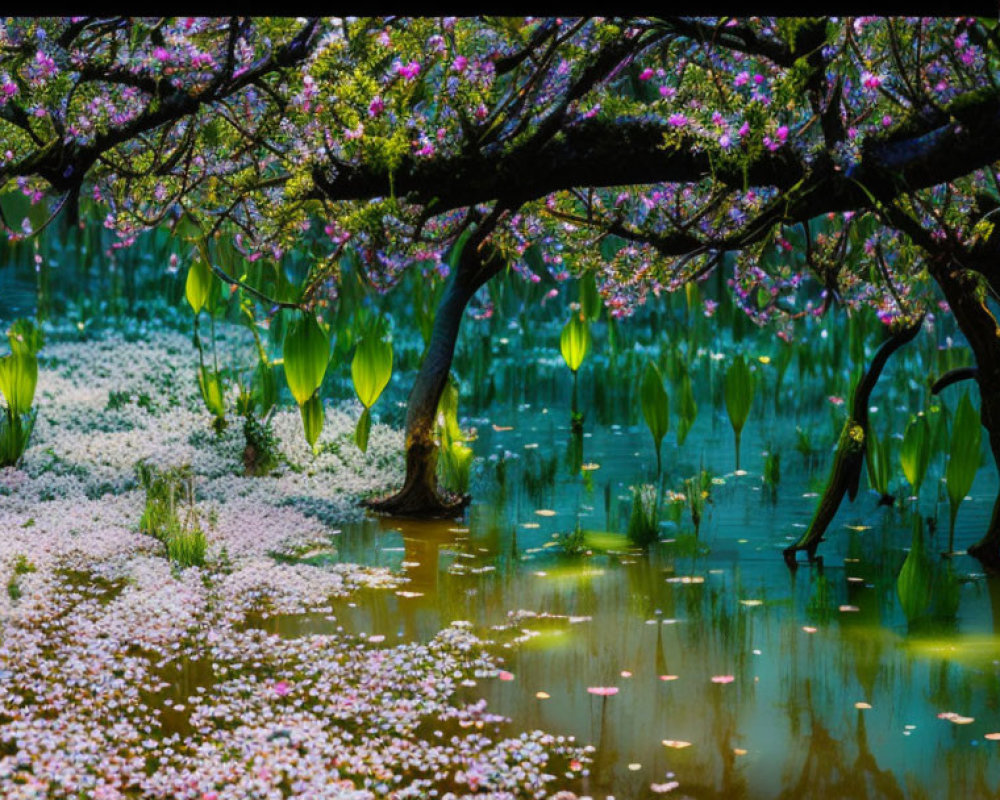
[734, 676]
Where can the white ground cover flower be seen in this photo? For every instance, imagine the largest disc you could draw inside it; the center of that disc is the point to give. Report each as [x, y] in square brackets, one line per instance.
[124, 676]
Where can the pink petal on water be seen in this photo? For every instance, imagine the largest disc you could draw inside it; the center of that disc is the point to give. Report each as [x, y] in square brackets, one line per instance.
[723, 678]
[604, 691]
[505, 676]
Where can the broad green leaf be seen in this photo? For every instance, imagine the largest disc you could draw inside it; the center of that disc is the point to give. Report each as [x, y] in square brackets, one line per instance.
[688, 409]
[964, 455]
[655, 406]
[913, 583]
[210, 384]
[915, 452]
[590, 297]
[362, 430]
[18, 378]
[312, 419]
[371, 369]
[199, 284]
[575, 341]
[739, 386]
[306, 354]
[878, 456]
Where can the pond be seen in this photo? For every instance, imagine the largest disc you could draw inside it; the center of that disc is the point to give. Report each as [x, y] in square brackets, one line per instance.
[701, 666]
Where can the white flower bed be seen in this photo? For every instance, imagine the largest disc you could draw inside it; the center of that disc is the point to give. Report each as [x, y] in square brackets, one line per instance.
[96, 622]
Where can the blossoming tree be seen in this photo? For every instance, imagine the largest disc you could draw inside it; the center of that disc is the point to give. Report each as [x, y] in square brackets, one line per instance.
[860, 152]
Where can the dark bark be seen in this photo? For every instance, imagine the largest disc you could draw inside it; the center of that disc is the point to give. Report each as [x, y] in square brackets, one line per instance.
[964, 294]
[420, 496]
[598, 152]
[850, 457]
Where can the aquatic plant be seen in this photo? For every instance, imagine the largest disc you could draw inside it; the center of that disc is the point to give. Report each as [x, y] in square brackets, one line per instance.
[698, 491]
[655, 409]
[18, 379]
[644, 520]
[915, 451]
[878, 456]
[739, 391]
[772, 470]
[574, 344]
[168, 493]
[687, 408]
[963, 460]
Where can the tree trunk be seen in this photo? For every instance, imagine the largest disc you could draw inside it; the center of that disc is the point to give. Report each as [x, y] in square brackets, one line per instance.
[420, 496]
[980, 328]
[850, 458]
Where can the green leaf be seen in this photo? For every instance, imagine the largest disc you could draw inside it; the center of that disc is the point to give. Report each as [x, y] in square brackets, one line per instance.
[915, 452]
[590, 297]
[199, 284]
[312, 419]
[18, 378]
[362, 430]
[964, 454]
[655, 406]
[739, 388]
[688, 409]
[575, 342]
[210, 384]
[306, 354]
[371, 369]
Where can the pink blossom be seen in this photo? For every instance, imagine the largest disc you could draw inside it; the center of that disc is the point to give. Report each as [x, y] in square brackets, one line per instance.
[646, 74]
[460, 63]
[782, 134]
[744, 129]
[408, 71]
[677, 120]
[741, 79]
[377, 106]
[281, 688]
[870, 81]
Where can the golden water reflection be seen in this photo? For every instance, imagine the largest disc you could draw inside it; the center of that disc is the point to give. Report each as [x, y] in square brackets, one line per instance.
[702, 677]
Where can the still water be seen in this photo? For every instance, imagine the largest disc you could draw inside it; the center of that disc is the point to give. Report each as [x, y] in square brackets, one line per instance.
[719, 673]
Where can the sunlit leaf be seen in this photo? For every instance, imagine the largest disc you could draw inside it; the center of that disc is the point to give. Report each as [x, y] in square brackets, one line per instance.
[18, 379]
[371, 369]
[306, 354]
[198, 286]
[312, 419]
[915, 452]
[574, 343]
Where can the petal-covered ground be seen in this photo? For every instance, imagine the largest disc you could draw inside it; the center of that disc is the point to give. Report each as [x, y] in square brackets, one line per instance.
[96, 623]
